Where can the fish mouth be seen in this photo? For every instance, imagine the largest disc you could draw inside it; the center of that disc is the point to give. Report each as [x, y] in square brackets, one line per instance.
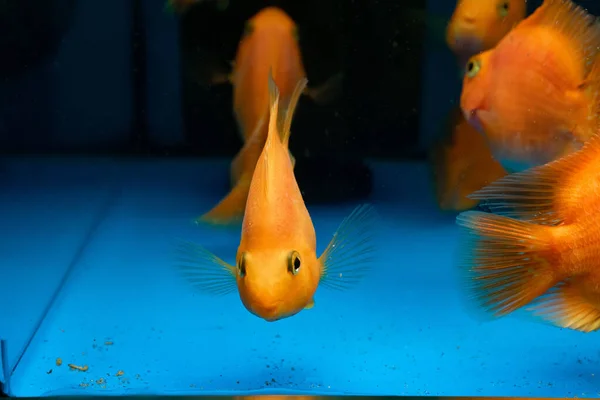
[466, 45]
[269, 313]
[472, 117]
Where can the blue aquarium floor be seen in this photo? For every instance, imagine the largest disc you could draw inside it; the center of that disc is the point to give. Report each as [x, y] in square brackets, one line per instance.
[126, 314]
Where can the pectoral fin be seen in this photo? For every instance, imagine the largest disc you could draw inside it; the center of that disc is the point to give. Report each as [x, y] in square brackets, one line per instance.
[310, 305]
[328, 91]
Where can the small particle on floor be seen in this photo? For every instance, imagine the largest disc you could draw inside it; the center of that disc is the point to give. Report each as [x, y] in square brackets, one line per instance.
[58, 362]
[108, 343]
[78, 367]
[100, 381]
[49, 371]
[119, 373]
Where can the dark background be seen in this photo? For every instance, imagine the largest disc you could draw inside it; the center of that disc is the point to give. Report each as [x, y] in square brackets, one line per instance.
[372, 42]
[46, 106]
[378, 112]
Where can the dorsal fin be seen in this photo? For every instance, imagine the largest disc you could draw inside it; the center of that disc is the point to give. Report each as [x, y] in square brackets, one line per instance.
[282, 112]
[574, 22]
[274, 116]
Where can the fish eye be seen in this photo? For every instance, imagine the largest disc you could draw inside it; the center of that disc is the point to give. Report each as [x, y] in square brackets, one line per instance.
[294, 263]
[503, 8]
[473, 67]
[242, 265]
[248, 29]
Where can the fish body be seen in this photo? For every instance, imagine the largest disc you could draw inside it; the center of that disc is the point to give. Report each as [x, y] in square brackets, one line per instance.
[541, 245]
[478, 25]
[269, 43]
[277, 269]
[535, 95]
[462, 163]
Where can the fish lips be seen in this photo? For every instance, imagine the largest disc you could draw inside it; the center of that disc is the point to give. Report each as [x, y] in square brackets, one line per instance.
[466, 45]
[472, 117]
[269, 312]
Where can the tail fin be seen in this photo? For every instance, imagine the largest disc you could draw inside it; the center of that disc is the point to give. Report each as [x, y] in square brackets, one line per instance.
[507, 263]
[231, 208]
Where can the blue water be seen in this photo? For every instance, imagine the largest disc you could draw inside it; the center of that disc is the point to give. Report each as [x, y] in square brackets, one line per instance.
[110, 224]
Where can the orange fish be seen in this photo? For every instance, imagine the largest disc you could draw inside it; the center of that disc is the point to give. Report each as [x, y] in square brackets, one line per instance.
[535, 95]
[478, 25]
[462, 163]
[544, 246]
[277, 270]
[270, 42]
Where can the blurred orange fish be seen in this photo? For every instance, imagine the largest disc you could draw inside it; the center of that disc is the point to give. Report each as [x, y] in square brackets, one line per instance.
[478, 25]
[535, 95]
[462, 163]
[462, 160]
[545, 242]
[277, 270]
[270, 42]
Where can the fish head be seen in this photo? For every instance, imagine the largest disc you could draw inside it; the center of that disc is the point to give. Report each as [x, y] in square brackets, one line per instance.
[478, 25]
[475, 90]
[270, 28]
[271, 20]
[270, 42]
[277, 283]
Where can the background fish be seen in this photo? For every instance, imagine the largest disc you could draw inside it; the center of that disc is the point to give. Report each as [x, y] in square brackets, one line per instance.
[269, 43]
[478, 25]
[462, 163]
[535, 95]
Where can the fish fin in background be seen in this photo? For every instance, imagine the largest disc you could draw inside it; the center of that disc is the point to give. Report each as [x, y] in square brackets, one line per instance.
[566, 305]
[575, 24]
[328, 91]
[204, 270]
[310, 305]
[222, 76]
[583, 31]
[534, 195]
[506, 263]
[230, 209]
[350, 252]
[253, 145]
[207, 69]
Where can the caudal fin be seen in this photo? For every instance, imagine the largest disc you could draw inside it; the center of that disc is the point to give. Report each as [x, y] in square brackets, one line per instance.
[506, 263]
[230, 209]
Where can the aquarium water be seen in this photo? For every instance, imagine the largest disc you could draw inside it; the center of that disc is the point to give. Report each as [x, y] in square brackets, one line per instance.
[88, 281]
[91, 302]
